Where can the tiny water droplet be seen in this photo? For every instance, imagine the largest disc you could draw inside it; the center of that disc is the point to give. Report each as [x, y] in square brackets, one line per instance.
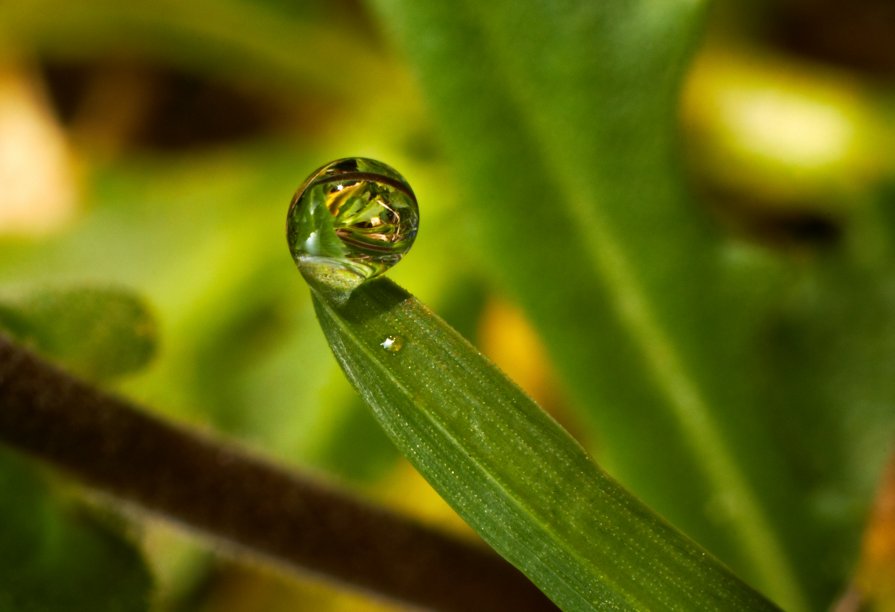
[392, 344]
[350, 221]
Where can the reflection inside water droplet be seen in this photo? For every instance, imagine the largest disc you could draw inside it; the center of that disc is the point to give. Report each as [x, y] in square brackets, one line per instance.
[392, 344]
[349, 222]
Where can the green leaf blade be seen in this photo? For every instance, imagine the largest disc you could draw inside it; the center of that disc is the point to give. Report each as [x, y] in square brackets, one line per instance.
[518, 478]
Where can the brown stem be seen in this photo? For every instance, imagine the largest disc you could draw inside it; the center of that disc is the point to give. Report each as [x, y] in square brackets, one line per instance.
[242, 500]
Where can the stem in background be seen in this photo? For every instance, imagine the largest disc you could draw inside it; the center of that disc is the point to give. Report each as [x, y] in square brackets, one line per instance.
[242, 500]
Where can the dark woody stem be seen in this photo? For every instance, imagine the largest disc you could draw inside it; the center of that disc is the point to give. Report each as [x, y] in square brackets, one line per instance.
[242, 500]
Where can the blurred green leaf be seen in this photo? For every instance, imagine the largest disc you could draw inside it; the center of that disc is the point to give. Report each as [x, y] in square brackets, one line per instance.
[97, 332]
[515, 475]
[563, 132]
[571, 109]
[54, 558]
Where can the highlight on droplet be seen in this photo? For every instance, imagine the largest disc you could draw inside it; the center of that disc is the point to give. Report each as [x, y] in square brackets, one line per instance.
[392, 344]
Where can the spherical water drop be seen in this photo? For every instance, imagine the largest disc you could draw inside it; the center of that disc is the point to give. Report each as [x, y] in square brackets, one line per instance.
[349, 222]
[392, 344]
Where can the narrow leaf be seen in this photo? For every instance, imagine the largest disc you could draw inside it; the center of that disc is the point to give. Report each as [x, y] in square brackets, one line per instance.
[511, 471]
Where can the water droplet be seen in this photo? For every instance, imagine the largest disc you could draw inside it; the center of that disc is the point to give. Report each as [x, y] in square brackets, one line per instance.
[349, 222]
[392, 344]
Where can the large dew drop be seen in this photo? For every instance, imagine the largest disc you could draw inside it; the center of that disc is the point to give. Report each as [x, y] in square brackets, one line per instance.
[349, 222]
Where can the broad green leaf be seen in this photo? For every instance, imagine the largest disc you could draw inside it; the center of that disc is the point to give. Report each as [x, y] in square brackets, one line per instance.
[513, 474]
[55, 558]
[97, 332]
[562, 131]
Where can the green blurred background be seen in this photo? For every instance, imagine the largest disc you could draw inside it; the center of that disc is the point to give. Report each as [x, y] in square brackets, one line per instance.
[153, 149]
